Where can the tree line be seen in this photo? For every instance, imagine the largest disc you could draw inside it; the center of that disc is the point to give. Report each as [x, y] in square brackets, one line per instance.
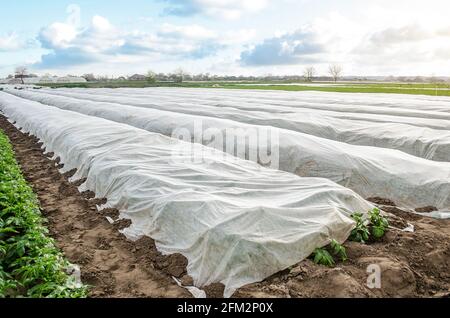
[334, 73]
[179, 75]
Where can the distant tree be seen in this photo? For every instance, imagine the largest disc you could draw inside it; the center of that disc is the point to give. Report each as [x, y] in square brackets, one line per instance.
[102, 78]
[89, 77]
[21, 73]
[179, 75]
[151, 77]
[309, 73]
[161, 77]
[335, 70]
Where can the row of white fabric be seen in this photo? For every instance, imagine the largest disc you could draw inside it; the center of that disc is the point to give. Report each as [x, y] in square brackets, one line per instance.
[235, 221]
[410, 181]
[417, 127]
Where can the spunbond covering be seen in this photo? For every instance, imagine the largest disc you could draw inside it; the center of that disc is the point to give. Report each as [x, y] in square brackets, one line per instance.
[409, 181]
[245, 98]
[235, 221]
[423, 133]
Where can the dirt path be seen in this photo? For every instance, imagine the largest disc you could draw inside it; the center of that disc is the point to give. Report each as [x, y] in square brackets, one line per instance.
[112, 265]
[412, 264]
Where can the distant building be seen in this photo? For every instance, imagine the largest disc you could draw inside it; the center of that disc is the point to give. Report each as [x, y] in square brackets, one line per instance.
[43, 80]
[137, 77]
[12, 81]
[25, 76]
[47, 79]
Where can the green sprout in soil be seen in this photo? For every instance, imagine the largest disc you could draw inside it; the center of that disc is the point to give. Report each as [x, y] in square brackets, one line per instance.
[326, 255]
[322, 257]
[361, 232]
[378, 224]
[374, 227]
[338, 250]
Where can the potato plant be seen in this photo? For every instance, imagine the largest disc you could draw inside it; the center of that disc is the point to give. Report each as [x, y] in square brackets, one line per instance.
[374, 227]
[361, 232]
[30, 264]
[378, 224]
[326, 256]
[322, 257]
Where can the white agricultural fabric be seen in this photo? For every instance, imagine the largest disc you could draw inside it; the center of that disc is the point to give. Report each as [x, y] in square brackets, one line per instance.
[261, 98]
[409, 181]
[426, 137]
[231, 99]
[235, 221]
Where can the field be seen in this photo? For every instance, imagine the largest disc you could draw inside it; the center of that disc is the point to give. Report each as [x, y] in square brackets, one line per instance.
[254, 219]
[438, 89]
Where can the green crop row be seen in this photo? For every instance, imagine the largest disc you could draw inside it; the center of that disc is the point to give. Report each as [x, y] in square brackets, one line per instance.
[30, 264]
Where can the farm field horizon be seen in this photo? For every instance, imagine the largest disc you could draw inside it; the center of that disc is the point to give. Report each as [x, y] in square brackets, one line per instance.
[295, 131]
[216, 157]
[430, 89]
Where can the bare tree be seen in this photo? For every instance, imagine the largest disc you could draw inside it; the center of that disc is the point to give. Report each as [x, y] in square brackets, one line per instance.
[309, 73]
[335, 70]
[21, 73]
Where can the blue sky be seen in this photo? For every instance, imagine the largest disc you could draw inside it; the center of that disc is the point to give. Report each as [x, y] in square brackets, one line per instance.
[373, 37]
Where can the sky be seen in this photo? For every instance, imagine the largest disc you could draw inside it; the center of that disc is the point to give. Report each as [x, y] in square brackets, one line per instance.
[226, 37]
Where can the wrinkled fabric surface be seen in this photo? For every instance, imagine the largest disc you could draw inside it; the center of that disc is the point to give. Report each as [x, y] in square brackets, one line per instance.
[409, 181]
[415, 125]
[235, 221]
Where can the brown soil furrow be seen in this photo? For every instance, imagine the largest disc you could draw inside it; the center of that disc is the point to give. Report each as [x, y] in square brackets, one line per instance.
[109, 262]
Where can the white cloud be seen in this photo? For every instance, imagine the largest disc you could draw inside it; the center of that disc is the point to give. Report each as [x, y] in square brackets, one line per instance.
[193, 32]
[228, 9]
[364, 42]
[408, 43]
[101, 24]
[102, 41]
[301, 46]
[10, 42]
[369, 49]
[403, 34]
[58, 35]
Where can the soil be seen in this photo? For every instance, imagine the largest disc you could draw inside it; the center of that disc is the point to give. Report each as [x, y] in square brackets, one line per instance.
[412, 264]
[112, 265]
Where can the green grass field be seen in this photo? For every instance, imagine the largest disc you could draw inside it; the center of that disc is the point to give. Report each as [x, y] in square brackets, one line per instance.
[441, 89]
[351, 89]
